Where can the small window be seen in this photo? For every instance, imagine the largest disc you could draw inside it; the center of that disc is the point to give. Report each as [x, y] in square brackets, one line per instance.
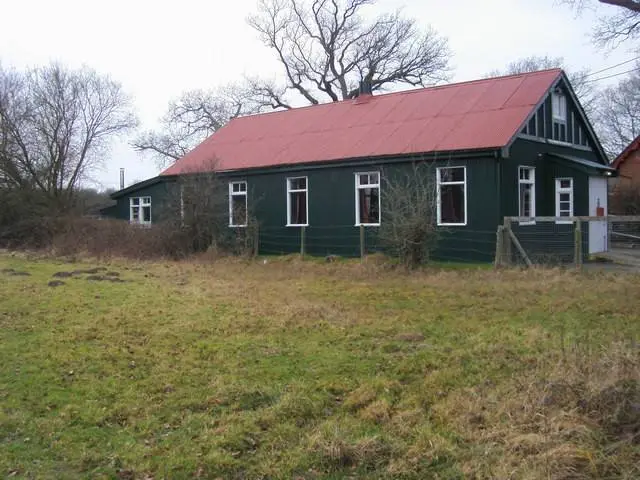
[452, 195]
[527, 193]
[559, 114]
[297, 202]
[564, 198]
[368, 198]
[140, 210]
[238, 204]
[559, 107]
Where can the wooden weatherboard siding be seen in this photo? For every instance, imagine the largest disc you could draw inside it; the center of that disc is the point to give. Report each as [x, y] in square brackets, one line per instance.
[332, 224]
[546, 239]
[161, 194]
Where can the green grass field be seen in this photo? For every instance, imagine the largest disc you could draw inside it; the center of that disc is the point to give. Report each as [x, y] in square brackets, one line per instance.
[298, 369]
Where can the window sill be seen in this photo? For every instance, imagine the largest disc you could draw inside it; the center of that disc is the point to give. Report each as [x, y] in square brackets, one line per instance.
[297, 225]
[237, 226]
[452, 224]
[367, 224]
[531, 222]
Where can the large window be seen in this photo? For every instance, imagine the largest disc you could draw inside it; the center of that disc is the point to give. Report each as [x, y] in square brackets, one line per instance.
[297, 202]
[368, 198]
[140, 210]
[564, 197]
[559, 114]
[452, 195]
[238, 204]
[527, 192]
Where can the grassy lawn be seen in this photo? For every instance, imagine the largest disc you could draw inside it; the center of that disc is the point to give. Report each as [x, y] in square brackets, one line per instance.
[291, 369]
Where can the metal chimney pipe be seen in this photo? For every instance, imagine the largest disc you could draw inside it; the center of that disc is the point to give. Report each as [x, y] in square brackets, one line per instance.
[121, 178]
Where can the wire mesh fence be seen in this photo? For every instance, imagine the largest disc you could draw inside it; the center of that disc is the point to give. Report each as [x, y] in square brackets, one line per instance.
[452, 245]
[566, 240]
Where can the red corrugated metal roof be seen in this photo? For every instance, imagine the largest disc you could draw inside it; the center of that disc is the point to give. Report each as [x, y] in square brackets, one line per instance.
[464, 116]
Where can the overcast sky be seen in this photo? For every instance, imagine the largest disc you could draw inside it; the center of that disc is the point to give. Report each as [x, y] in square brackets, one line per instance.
[159, 49]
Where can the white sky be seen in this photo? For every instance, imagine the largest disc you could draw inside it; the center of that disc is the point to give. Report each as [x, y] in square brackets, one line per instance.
[158, 49]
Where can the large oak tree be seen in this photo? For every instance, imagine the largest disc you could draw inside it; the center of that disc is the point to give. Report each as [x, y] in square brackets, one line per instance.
[327, 47]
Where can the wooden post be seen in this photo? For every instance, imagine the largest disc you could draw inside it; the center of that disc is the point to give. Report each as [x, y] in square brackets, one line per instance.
[499, 246]
[256, 241]
[578, 244]
[522, 251]
[361, 243]
[507, 257]
[302, 241]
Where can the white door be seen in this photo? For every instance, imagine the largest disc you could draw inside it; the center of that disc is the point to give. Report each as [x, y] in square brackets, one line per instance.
[598, 200]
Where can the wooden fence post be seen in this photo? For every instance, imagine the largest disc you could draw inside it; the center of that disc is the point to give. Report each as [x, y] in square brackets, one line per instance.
[256, 241]
[361, 243]
[506, 244]
[578, 244]
[499, 246]
[302, 241]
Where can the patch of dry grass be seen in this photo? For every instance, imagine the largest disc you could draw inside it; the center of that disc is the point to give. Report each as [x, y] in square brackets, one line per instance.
[301, 369]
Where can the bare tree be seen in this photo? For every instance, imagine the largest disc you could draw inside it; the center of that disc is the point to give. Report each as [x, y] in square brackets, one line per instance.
[56, 124]
[326, 48]
[409, 205]
[585, 90]
[197, 212]
[193, 117]
[618, 26]
[618, 114]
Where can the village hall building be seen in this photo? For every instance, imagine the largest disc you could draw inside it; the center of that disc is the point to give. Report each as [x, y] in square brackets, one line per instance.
[518, 145]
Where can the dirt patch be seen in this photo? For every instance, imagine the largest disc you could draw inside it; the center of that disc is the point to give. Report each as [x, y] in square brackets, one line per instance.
[56, 283]
[19, 274]
[7, 270]
[112, 274]
[62, 274]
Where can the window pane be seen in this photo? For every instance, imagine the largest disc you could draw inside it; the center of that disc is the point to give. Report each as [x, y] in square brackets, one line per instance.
[369, 211]
[239, 210]
[565, 197]
[243, 187]
[135, 214]
[565, 183]
[146, 214]
[452, 204]
[298, 183]
[298, 205]
[374, 178]
[235, 187]
[526, 200]
[363, 179]
[454, 174]
[135, 201]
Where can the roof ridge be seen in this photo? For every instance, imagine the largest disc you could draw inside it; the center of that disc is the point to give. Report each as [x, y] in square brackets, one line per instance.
[404, 92]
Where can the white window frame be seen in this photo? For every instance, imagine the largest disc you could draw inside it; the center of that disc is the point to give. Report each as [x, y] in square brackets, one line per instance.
[357, 195]
[559, 116]
[531, 181]
[559, 107]
[559, 191]
[142, 202]
[439, 184]
[289, 192]
[240, 193]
